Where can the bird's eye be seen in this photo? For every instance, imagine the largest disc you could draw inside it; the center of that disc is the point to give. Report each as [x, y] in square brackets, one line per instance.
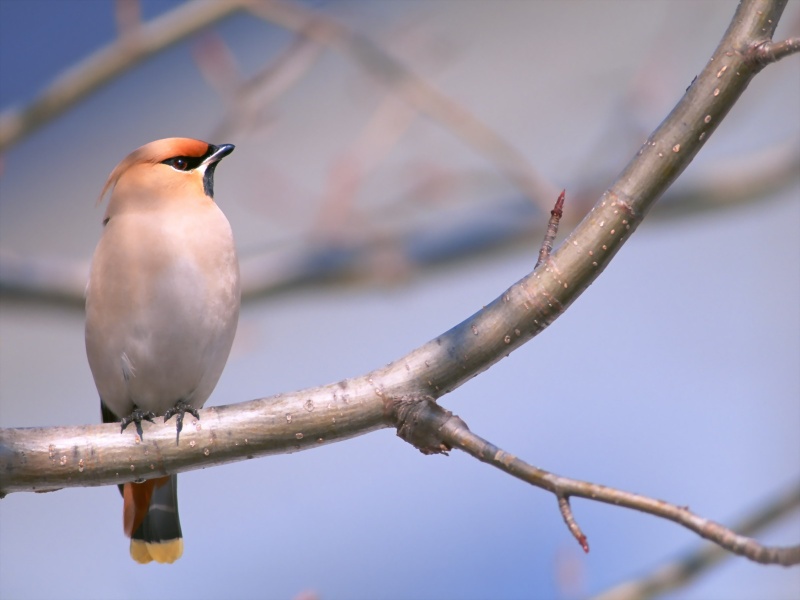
[183, 163]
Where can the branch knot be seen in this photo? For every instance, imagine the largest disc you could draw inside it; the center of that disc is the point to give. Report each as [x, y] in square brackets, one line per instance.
[419, 421]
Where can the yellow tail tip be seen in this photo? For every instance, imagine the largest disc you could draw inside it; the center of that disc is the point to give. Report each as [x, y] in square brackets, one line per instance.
[161, 552]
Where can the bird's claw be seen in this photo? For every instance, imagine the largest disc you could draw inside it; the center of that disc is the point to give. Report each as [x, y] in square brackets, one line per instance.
[137, 416]
[179, 410]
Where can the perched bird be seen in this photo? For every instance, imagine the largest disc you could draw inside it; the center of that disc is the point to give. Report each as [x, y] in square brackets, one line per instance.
[162, 305]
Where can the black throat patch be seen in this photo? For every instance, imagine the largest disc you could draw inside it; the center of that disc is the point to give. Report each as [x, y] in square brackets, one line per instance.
[208, 180]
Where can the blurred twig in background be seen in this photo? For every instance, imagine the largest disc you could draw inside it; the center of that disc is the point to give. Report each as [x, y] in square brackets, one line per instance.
[350, 240]
[135, 43]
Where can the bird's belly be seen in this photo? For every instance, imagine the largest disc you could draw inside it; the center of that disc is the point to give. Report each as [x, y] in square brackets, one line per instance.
[169, 342]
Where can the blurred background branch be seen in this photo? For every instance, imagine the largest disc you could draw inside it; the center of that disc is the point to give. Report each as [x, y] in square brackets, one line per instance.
[344, 244]
[352, 255]
[135, 43]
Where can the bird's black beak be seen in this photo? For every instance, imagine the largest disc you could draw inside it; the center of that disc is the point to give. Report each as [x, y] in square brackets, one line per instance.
[218, 153]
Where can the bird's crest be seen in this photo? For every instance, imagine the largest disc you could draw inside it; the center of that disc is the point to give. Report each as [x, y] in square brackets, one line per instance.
[153, 153]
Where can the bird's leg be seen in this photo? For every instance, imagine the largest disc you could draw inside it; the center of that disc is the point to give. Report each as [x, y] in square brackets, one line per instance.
[137, 416]
[180, 409]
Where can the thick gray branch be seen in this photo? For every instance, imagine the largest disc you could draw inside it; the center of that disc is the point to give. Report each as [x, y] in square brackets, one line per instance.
[40, 459]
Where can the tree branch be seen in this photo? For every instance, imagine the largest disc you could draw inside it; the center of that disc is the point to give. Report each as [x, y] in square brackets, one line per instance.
[768, 52]
[455, 434]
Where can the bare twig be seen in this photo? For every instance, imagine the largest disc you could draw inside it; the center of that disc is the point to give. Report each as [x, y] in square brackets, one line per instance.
[456, 435]
[552, 230]
[432, 429]
[767, 52]
[570, 522]
[690, 565]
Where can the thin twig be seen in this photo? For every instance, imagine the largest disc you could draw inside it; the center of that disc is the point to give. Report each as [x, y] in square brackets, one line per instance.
[572, 524]
[456, 435]
[768, 52]
[552, 230]
[687, 567]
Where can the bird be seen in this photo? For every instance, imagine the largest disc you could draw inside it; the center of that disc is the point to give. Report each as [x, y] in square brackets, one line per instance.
[162, 308]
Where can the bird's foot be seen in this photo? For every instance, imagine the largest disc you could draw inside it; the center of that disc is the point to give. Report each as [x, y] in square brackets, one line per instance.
[137, 416]
[180, 409]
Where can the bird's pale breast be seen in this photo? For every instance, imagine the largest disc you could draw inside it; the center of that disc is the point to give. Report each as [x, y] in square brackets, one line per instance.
[162, 308]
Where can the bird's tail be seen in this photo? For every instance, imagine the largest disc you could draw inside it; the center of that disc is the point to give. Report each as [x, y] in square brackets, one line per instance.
[150, 519]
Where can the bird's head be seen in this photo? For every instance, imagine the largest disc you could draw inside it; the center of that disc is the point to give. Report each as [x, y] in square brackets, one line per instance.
[172, 169]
